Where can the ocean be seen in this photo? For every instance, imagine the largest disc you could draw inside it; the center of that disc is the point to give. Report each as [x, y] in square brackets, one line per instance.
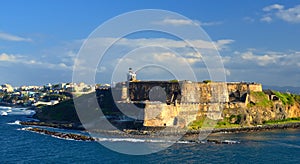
[20, 146]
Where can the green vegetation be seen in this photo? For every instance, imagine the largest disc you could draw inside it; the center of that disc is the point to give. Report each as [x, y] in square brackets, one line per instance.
[231, 122]
[287, 98]
[174, 81]
[65, 111]
[297, 98]
[283, 121]
[261, 99]
[205, 122]
[50, 97]
[235, 119]
[225, 124]
[62, 112]
[207, 81]
[202, 123]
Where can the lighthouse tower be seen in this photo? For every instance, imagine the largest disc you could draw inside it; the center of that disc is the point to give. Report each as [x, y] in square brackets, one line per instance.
[131, 76]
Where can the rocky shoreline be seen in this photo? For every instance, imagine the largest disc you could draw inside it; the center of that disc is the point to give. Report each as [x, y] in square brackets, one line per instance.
[252, 128]
[71, 136]
[72, 126]
[78, 137]
[190, 136]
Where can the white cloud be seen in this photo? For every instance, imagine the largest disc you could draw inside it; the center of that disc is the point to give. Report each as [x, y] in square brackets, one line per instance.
[163, 42]
[210, 23]
[291, 15]
[260, 60]
[227, 72]
[160, 42]
[223, 43]
[7, 57]
[267, 19]
[176, 22]
[181, 22]
[273, 7]
[165, 63]
[10, 37]
[265, 59]
[165, 57]
[249, 19]
[267, 67]
[10, 58]
[139, 52]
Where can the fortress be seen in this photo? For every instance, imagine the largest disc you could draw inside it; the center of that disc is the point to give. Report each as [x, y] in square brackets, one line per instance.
[177, 103]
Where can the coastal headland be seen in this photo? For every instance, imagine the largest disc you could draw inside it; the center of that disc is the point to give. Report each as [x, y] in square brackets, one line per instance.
[190, 135]
[192, 106]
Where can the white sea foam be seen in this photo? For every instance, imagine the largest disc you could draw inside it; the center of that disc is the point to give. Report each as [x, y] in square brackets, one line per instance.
[231, 142]
[5, 107]
[54, 136]
[25, 128]
[17, 122]
[138, 140]
[3, 113]
[103, 139]
[183, 142]
[16, 111]
[69, 139]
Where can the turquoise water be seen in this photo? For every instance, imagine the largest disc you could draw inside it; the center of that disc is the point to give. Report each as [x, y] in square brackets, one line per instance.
[20, 146]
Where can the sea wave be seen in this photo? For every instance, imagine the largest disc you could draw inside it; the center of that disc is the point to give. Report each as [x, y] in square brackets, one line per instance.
[139, 140]
[16, 111]
[104, 139]
[5, 107]
[17, 122]
[25, 128]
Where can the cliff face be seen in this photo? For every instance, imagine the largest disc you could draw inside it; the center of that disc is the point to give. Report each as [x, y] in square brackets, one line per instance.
[182, 115]
[240, 103]
[257, 115]
[293, 111]
[264, 106]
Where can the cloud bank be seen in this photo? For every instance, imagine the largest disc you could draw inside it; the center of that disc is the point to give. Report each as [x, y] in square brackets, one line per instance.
[277, 11]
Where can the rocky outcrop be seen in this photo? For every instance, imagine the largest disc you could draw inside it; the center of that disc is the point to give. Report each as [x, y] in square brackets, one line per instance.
[75, 126]
[255, 113]
[71, 136]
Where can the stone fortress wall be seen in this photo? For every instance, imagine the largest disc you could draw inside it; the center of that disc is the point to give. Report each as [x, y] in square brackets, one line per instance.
[187, 91]
[179, 103]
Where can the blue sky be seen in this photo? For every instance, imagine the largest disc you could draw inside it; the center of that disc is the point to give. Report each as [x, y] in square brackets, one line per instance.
[39, 40]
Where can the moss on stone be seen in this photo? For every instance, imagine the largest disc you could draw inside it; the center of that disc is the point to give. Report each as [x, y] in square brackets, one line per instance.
[286, 98]
[260, 100]
[283, 121]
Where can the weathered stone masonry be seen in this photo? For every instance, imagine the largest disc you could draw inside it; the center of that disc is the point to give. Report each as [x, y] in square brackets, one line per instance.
[179, 103]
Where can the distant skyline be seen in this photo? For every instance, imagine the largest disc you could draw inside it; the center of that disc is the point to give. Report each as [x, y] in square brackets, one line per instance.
[257, 40]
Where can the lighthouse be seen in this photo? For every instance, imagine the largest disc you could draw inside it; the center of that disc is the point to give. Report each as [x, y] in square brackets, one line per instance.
[131, 76]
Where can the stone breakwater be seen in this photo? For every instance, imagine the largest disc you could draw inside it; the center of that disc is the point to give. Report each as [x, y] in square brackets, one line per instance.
[190, 136]
[54, 125]
[72, 136]
[78, 137]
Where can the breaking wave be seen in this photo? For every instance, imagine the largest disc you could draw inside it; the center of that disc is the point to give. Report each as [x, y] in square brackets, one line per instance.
[17, 122]
[103, 139]
[141, 140]
[16, 111]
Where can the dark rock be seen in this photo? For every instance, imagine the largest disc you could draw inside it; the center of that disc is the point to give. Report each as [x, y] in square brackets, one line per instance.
[77, 137]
